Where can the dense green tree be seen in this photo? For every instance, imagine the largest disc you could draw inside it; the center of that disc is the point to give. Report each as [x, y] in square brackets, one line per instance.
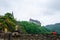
[7, 21]
[32, 28]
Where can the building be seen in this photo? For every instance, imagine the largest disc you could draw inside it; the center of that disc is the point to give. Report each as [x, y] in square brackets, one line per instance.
[35, 21]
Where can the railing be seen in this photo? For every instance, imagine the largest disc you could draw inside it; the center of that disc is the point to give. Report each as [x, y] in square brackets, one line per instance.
[11, 36]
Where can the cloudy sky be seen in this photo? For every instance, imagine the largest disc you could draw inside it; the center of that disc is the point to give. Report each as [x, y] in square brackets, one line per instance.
[46, 11]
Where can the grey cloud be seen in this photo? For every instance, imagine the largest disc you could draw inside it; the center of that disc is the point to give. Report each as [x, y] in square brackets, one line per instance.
[55, 4]
[4, 4]
[43, 10]
[4, 7]
[52, 7]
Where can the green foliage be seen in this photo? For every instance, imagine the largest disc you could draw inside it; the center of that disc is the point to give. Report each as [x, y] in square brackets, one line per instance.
[21, 28]
[9, 15]
[32, 28]
[7, 21]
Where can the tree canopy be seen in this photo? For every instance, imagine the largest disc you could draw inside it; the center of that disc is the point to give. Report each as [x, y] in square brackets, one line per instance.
[32, 28]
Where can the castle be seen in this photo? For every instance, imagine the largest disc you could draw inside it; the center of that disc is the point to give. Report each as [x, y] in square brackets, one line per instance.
[35, 21]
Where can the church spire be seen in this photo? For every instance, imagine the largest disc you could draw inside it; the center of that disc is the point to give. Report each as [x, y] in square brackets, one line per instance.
[12, 14]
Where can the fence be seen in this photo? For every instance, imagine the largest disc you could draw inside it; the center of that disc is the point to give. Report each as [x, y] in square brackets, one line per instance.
[10, 36]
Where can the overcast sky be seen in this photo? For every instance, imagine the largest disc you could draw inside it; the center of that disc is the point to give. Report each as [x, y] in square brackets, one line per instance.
[46, 11]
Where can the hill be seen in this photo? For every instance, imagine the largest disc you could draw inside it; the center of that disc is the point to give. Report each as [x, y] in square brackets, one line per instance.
[54, 27]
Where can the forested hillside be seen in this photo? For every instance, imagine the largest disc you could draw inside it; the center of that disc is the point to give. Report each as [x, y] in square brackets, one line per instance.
[54, 27]
[8, 21]
[32, 28]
